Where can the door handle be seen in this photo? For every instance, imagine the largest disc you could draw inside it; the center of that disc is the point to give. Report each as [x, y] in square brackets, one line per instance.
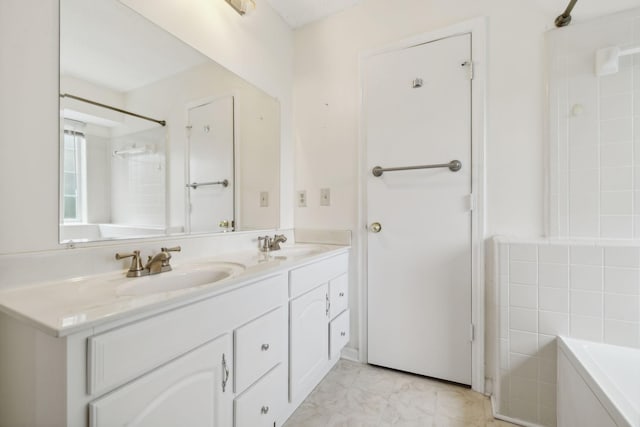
[375, 227]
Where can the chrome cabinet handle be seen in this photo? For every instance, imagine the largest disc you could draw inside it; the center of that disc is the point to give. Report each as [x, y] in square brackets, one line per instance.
[225, 373]
[264, 410]
[375, 227]
[328, 304]
[341, 294]
[265, 347]
[342, 334]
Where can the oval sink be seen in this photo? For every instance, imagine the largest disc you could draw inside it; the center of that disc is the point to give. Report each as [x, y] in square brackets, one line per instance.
[296, 251]
[180, 278]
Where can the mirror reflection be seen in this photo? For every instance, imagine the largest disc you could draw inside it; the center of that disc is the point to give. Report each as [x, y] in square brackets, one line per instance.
[155, 138]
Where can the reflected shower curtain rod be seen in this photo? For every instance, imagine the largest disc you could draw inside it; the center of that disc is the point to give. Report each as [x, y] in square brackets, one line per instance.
[119, 110]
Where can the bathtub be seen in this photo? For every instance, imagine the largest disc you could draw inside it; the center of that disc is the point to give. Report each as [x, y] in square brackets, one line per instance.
[598, 384]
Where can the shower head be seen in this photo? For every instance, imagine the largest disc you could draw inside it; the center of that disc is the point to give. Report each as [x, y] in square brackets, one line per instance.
[608, 59]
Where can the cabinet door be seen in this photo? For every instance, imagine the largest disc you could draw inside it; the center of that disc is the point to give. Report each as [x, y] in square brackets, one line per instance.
[193, 390]
[309, 343]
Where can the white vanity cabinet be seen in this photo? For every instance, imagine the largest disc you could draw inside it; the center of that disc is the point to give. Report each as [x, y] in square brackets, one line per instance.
[318, 293]
[242, 356]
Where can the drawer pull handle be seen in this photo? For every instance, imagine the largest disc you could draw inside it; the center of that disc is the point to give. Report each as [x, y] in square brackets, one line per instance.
[264, 410]
[225, 373]
[342, 334]
[265, 347]
[341, 294]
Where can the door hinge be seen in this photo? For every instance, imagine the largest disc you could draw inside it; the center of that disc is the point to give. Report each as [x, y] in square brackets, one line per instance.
[472, 332]
[469, 66]
[471, 202]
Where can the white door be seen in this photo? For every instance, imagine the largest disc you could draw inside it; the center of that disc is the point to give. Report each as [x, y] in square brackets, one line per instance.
[211, 202]
[417, 111]
[193, 390]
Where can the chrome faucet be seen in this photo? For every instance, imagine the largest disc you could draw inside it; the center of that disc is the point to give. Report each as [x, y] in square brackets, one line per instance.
[271, 243]
[159, 263]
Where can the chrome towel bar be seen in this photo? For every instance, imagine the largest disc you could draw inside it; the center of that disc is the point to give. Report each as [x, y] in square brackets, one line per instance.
[453, 165]
[195, 185]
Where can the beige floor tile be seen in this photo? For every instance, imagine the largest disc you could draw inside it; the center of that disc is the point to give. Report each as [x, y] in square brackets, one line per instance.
[357, 395]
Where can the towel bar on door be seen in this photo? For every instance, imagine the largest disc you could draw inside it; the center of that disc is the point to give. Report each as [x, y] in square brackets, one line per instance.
[195, 185]
[453, 165]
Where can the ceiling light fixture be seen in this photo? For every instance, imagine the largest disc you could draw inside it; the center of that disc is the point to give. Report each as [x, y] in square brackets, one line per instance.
[243, 7]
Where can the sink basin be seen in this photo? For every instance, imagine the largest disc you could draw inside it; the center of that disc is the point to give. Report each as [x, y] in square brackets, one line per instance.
[296, 251]
[180, 278]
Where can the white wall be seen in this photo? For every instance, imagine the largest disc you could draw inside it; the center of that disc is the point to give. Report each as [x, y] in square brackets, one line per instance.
[326, 93]
[258, 47]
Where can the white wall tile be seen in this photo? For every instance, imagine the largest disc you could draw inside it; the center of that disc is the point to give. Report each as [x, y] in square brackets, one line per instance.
[616, 137]
[584, 157]
[553, 299]
[523, 272]
[586, 328]
[588, 255]
[616, 106]
[584, 213]
[523, 366]
[551, 323]
[523, 342]
[616, 203]
[586, 277]
[523, 296]
[523, 252]
[621, 307]
[553, 254]
[622, 256]
[523, 319]
[554, 275]
[524, 389]
[616, 83]
[524, 409]
[547, 370]
[621, 333]
[616, 227]
[586, 303]
[621, 280]
[547, 346]
[613, 179]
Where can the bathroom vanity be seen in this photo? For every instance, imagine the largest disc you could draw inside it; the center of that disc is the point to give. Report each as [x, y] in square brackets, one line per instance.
[242, 351]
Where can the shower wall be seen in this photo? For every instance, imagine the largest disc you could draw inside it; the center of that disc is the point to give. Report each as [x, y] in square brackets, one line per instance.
[594, 128]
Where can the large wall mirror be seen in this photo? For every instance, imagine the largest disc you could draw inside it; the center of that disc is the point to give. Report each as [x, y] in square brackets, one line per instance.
[156, 138]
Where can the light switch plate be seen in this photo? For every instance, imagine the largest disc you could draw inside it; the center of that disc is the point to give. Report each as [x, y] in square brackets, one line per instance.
[264, 199]
[302, 198]
[325, 197]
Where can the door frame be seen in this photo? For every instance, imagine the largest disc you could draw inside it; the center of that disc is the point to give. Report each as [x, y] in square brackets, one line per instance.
[477, 27]
[188, 106]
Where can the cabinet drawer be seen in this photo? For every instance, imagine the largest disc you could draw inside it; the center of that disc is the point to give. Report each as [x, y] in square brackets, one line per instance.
[122, 354]
[338, 334]
[261, 405]
[259, 346]
[305, 278]
[338, 295]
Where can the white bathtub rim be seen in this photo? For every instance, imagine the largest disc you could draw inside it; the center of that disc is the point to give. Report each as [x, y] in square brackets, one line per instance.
[608, 394]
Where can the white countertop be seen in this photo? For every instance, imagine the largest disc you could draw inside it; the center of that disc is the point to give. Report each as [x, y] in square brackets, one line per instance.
[64, 307]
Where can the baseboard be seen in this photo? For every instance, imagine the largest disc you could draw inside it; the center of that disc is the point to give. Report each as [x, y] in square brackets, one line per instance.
[351, 354]
[509, 419]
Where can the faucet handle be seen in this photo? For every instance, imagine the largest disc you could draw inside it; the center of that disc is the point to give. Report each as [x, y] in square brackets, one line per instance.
[165, 262]
[173, 249]
[136, 263]
[266, 245]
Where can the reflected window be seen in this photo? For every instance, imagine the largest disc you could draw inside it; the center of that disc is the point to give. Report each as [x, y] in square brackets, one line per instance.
[73, 176]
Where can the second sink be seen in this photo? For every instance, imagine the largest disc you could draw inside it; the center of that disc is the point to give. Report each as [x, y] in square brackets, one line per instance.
[181, 278]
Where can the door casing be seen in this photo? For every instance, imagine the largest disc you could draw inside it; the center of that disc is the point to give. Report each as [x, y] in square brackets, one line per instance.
[478, 29]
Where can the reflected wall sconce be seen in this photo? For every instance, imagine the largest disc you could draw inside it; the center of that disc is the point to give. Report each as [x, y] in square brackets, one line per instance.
[243, 7]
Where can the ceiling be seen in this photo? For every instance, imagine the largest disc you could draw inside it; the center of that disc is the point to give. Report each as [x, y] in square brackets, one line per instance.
[298, 13]
[302, 12]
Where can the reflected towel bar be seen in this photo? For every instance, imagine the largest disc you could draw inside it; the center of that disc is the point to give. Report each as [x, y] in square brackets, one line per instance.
[453, 165]
[195, 185]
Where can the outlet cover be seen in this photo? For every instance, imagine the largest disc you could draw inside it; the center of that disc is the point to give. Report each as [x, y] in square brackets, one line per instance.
[264, 199]
[302, 199]
[325, 197]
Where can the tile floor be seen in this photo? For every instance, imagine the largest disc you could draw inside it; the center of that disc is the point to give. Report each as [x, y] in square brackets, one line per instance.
[357, 395]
